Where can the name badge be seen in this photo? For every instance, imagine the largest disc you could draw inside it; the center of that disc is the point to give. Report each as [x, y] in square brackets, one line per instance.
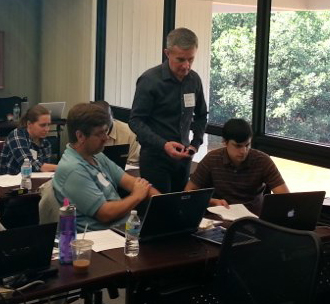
[102, 180]
[34, 154]
[189, 100]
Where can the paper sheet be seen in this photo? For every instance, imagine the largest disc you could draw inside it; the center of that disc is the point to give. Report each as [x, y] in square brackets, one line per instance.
[234, 212]
[326, 201]
[131, 167]
[207, 223]
[104, 239]
[42, 174]
[8, 180]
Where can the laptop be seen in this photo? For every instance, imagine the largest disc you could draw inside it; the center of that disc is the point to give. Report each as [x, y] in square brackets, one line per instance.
[170, 214]
[55, 109]
[26, 248]
[118, 154]
[25, 105]
[299, 210]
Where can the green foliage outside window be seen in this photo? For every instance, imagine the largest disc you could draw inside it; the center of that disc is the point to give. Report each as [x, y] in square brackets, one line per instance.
[298, 97]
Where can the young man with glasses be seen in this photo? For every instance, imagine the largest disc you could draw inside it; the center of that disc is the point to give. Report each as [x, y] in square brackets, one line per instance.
[89, 179]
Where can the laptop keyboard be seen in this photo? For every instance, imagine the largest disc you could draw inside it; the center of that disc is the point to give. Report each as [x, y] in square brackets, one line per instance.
[214, 235]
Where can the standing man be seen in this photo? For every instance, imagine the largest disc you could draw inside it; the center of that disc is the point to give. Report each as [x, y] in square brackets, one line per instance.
[168, 98]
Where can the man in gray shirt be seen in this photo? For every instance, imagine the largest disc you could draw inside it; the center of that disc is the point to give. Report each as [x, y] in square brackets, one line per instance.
[168, 98]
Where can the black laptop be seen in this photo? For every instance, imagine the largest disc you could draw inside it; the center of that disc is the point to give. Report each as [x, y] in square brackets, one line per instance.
[299, 210]
[172, 214]
[26, 248]
[118, 154]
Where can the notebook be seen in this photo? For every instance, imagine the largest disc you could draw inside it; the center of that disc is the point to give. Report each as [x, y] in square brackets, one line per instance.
[299, 210]
[55, 109]
[118, 154]
[173, 214]
[26, 248]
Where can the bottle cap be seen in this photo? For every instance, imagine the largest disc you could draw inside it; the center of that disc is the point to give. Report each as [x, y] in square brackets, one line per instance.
[133, 212]
[66, 202]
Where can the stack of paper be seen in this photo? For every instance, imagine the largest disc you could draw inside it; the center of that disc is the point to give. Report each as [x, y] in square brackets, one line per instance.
[233, 213]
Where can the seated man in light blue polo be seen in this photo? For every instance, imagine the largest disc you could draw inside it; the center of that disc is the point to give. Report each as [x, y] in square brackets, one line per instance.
[89, 179]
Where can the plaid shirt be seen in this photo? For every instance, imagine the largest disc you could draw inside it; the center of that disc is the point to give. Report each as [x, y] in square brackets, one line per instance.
[17, 147]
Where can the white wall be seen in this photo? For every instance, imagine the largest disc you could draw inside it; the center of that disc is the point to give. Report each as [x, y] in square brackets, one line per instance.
[134, 44]
[197, 16]
[20, 21]
[68, 51]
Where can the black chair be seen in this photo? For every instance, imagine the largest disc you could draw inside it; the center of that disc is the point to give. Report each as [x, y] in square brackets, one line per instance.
[7, 105]
[20, 211]
[261, 263]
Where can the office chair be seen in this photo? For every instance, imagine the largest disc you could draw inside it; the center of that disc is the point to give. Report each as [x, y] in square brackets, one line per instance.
[261, 263]
[264, 263]
[19, 211]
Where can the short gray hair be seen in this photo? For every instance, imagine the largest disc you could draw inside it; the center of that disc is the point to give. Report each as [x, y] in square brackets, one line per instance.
[183, 38]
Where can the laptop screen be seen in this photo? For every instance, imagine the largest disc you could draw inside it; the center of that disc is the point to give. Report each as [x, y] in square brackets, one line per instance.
[118, 154]
[26, 248]
[55, 108]
[174, 213]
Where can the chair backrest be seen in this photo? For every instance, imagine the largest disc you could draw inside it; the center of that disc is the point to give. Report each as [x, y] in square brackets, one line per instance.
[276, 264]
[48, 206]
[20, 211]
[7, 105]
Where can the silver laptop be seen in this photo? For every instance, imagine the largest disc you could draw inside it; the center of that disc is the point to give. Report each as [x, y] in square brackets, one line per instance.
[24, 107]
[55, 108]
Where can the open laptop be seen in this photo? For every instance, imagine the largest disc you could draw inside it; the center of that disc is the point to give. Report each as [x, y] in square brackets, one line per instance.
[26, 248]
[25, 105]
[172, 214]
[55, 109]
[299, 210]
[118, 154]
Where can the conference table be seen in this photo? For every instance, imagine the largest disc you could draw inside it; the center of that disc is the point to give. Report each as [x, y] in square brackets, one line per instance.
[166, 264]
[103, 273]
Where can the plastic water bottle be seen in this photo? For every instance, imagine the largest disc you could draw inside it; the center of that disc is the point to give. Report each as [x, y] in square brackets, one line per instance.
[16, 112]
[132, 232]
[68, 231]
[26, 171]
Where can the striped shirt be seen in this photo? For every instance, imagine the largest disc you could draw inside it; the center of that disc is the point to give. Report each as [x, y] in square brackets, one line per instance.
[17, 147]
[237, 185]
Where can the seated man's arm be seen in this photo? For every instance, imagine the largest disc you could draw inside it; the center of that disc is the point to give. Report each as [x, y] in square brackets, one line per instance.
[281, 189]
[213, 201]
[48, 167]
[127, 182]
[139, 189]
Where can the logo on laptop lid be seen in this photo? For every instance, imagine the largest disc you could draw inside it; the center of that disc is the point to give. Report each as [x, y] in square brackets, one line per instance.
[291, 213]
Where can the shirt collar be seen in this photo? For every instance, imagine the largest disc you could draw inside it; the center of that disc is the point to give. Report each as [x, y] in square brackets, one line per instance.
[113, 132]
[167, 73]
[227, 162]
[42, 140]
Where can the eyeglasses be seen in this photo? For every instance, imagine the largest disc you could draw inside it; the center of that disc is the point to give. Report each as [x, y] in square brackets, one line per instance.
[101, 134]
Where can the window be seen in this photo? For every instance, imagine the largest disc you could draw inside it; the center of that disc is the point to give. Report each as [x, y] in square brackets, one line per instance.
[298, 94]
[232, 62]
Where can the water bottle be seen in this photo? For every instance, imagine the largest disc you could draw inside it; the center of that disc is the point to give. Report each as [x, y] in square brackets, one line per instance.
[132, 232]
[16, 112]
[26, 171]
[68, 231]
